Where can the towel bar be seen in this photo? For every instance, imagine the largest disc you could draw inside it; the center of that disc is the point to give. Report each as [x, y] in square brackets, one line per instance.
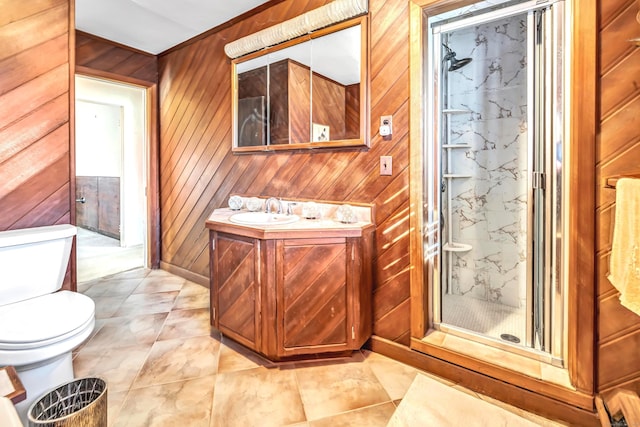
[613, 180]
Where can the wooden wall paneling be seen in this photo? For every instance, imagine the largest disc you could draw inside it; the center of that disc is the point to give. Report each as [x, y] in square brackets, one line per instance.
[194, 256]
[299, 103]
[252, 107]
[618, 85]
[27, 206]
[29, 31]
[33, 162]
[329, 107]
[29, 64]
[195, 165]
[97, 54]
[174, 104]
[185, 162]
[193, 120]
[189, 162]
[616, 34]
[87, 212]
[34, 114]
[279, 102]
[109, 206]
[31, 95]
[101, 210]
[618, 153]
[50, 115]
[352, 111]
[615, 137]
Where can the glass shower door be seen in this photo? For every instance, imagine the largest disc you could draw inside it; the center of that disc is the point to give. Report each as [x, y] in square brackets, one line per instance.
[492, 153]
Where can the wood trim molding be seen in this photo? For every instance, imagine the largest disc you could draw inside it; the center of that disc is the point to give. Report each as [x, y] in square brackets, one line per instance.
[186, 274]
[153, 167]
[106, 75]
[418, 294]
[472, 379]
[581, 257]
[153, 178]
[72, 142]
[580, 265]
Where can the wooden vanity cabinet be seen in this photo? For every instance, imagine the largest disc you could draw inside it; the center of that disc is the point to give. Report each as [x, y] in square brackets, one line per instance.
[235, 287]
[291, 297]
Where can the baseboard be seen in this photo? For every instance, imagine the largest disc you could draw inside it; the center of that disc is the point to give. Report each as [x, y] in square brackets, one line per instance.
[525, 399]
[186, 274]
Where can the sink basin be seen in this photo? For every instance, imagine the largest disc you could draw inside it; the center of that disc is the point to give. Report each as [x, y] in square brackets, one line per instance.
[262, 218]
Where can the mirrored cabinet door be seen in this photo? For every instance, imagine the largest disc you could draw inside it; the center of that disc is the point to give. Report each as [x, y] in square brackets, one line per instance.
[308, 93]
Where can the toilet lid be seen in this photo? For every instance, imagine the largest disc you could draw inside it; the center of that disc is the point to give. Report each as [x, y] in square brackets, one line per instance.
[43, 318]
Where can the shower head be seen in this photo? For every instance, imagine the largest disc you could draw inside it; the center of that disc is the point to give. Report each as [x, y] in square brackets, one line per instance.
[458, 63]
[455, 63]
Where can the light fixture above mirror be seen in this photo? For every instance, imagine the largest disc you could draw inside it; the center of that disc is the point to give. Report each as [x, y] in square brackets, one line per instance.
[332, 13]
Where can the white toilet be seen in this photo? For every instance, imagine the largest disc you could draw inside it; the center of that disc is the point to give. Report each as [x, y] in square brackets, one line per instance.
[39, 327]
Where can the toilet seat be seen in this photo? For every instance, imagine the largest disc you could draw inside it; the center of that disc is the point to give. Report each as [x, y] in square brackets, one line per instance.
[45, 321]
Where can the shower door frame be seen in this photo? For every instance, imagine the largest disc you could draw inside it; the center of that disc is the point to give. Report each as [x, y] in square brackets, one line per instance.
[446, 359]
[544, 294]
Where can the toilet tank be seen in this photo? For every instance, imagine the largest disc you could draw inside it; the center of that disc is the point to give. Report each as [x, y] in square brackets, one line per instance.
[33, 261]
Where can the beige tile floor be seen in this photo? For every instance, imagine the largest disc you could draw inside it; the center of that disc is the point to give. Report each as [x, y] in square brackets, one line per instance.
[99, 255]
[164, 366]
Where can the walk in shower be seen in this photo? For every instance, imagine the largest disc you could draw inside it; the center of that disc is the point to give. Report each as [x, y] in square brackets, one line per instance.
[493, 174]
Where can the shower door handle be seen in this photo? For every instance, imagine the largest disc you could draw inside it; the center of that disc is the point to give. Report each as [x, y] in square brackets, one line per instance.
[539, 180]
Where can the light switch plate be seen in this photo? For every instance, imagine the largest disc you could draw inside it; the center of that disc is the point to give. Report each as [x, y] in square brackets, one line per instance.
[386, 165]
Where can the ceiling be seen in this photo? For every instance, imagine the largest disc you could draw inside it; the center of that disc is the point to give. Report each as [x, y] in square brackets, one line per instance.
[154, 26]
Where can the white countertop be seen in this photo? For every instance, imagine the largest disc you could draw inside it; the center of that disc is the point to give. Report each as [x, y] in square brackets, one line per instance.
[326, 226]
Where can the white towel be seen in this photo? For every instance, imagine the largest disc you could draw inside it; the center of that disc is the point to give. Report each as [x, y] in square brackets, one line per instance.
[624, 268]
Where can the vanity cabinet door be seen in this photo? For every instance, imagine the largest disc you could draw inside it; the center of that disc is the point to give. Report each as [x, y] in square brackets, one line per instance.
[314, 293]
[235, 287]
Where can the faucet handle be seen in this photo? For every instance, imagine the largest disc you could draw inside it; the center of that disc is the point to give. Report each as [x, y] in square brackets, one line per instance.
[290, 206]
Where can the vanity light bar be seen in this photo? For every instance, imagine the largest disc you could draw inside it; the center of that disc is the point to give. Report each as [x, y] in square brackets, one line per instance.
[336, 11]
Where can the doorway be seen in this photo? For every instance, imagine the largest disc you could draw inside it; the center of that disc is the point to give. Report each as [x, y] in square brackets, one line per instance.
[111, 170]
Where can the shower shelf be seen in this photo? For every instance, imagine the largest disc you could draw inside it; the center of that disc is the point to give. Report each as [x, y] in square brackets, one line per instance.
[456, 247]
[455, 175]
[456, 111]
[456, 146]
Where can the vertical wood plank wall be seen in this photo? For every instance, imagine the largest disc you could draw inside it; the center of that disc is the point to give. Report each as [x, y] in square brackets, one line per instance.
[199, 172]
[34, 113]
[618, 153]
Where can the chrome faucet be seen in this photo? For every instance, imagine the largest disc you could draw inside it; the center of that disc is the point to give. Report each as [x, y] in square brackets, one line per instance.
[267, 205]
[290, 206]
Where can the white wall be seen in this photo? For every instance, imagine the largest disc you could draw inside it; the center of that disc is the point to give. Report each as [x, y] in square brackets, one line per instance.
[489, 210]
[98, 139]
[132, 174]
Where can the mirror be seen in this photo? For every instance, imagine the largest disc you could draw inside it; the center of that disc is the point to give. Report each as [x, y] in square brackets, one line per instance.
[306, 93]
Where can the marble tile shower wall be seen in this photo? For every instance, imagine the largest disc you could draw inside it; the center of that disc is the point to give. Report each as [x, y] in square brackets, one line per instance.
[489, 210]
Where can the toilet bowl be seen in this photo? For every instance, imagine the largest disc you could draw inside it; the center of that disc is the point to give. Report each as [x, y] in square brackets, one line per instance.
[39, 323]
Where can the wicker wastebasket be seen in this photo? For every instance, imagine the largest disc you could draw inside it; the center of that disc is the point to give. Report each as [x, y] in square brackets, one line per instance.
[79, 403]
